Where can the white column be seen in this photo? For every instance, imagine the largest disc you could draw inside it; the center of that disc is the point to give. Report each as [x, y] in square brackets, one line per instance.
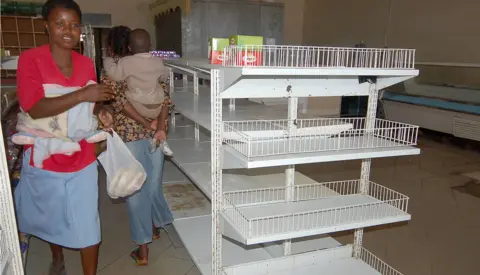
[216, 170]
[290, 171]
[366, 163]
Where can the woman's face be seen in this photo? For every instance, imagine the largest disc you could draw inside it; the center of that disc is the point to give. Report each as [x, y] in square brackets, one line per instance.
[64, 28]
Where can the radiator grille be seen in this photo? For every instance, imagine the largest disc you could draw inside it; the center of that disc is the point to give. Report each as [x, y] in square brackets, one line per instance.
[466, 128]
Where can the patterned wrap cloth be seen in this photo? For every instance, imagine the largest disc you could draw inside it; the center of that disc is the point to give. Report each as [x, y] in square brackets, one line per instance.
[127, 128]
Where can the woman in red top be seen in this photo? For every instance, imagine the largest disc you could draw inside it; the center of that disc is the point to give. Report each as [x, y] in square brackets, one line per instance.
[59, 202]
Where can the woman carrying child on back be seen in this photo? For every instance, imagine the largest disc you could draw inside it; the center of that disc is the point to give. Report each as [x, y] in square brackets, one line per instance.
[148, 209]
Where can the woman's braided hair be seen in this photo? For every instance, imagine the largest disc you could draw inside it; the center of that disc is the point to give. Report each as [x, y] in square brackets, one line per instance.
[118, 40]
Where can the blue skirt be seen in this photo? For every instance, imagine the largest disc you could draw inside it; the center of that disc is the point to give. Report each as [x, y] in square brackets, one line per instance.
[60, 208]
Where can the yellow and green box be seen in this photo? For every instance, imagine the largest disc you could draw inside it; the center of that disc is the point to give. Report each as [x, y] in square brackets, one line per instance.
[248, 56]
[241, 40]
[216, 46]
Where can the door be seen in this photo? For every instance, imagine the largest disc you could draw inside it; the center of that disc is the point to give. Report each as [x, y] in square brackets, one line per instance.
[168, 30]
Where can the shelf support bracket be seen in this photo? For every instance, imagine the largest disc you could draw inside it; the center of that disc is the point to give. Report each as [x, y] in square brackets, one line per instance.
[216, 170]
[171, 84]
[195, 83]
[171, 79]
[195, 107]
[366, 163]
[290, 171]
[197, 133]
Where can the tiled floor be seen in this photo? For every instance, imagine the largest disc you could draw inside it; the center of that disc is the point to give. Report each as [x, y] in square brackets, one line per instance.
[443, 237]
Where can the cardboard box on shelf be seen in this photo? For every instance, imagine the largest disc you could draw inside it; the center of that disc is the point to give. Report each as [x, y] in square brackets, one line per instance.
[216, 47]
[248, 56]
[246, 40]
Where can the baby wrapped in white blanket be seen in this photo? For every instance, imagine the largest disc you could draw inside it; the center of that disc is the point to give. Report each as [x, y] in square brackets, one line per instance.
[58, 134]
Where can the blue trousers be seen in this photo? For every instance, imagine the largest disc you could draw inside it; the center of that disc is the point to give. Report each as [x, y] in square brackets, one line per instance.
[148, 206]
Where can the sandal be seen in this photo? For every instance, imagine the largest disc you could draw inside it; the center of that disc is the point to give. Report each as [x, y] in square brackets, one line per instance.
[57, 269]
[156, 234]
[135, 257]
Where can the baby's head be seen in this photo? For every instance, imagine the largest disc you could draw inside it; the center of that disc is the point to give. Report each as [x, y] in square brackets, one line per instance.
[140, 41]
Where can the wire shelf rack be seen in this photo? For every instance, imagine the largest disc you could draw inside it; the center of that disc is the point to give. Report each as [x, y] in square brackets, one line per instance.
[259, 138]
[376, 263]
[337, 260]
[261, 213]
[318, 57]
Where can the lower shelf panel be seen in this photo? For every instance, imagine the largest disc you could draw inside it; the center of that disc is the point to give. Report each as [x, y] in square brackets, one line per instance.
[264, 215]
[333, 261]
[196, 233]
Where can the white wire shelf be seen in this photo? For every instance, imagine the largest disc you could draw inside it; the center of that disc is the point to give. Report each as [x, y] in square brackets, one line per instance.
[333, 261]
[260, 138]
[263, 215]
[318, 57]
[188, 151]
[257, 71]
[196, 232]
[193, 158]
[197, 109]
[188, 132]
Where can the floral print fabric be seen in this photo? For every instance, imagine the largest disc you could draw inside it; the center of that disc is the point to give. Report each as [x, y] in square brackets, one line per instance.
[127, 128]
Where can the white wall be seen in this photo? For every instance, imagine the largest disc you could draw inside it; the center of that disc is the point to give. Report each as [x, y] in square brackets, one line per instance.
[440, 31]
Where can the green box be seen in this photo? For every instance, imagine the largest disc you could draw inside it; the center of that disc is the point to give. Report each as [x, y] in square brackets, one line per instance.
[241, 40]
[215, 49]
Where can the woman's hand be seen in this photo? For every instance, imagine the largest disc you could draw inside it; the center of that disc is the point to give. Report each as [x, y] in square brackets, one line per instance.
[160, 135]
[96, 93]
[147, 124]
[153, 124]
[106, 118]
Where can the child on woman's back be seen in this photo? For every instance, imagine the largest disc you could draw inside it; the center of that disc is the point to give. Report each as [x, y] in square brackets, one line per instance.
[146, 97]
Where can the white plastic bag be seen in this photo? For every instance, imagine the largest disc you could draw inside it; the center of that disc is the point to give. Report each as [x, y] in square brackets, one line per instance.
[125, 175]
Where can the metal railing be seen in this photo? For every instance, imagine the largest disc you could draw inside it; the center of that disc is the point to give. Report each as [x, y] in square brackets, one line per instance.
[258, 138]
[377, 264]
[380, 202]
[318, 57]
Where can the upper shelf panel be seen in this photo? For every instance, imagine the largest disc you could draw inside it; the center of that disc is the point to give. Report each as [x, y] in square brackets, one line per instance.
[388, 139]
[297, 71]
[204, 65]
[300, 57]
[280, 60]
